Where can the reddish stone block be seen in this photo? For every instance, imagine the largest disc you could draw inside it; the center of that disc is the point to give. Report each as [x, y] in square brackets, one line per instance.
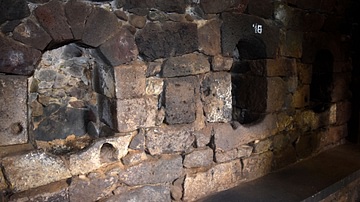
[16, 58]
[100, 26]
[220, 63]
[209, 37]
[130, 80]
[120, 49]
[75, 18]
[51, 17]
[343, 112]
[31, 34]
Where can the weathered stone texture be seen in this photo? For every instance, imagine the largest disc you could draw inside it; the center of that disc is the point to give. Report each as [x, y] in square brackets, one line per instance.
[34, 169]
[209, 37]
[224, 156]
[31, 34]
[157, 40]
[189, 64]
[261, 8]
[218, 178]
[136, 113]
[168, 140]
[105, 23]
[292, 44]
[276, 94]
[130, 80]
[75, 18]
[120, 49]
[154, 86]
[91, 188]
[147, 193]
[210, 6]
[203, 136]
[238, 28]
[199, 158]
[301, 97]
[51, 17]
[343, 112]
[180, 100]
[16, 58]
[103, 79]
[165, 169]
[102, 152]
[3, 184]
[257, 165]
[13, 9]
[53, 192]
[13, 110]
[220, 63]
[217, 98]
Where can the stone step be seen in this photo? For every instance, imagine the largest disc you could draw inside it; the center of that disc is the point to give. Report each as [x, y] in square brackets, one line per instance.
[313, 179]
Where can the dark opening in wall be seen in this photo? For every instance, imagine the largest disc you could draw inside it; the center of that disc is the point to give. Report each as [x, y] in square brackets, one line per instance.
[249, 89]
[108, 153]
[322, 80]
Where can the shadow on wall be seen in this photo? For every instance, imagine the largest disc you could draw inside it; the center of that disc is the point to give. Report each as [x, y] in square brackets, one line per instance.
[249, 89]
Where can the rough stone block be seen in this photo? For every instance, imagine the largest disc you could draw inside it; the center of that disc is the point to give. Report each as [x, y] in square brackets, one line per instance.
[224, 156]
[147, 193]
[168, 140]
[120, 48]
[107, 111]
[273, 67]
[220, 63]
[130, 80]
[32, 170]
[75, 18]
[13, 110]
[189, 64]
[136, 113]
[209, 37]
[217, 98]
[199, 158]
[218, 178]
[203, 136]
[239, 28]
[304, 146]
[16, 58]
[51, 17]
[92, 187]
[134, 157]
[31, 34]
[304, 73]
[165, 169]
[56, 191]
[276, 94]
[154, 86]
[137, 21]
[284, 157]
[157, 40]
[257, 165]
[13, 10]
[340, 90]
[103, 80]
[301, 97]
[343, 112]
[180, 100]
[332, 135]
[210, 6]
[3, 184]
[291, 44]
[104, 22]
[101, 153]
[262, 146]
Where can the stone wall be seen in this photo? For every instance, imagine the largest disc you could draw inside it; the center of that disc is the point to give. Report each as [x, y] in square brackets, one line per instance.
[165, 101]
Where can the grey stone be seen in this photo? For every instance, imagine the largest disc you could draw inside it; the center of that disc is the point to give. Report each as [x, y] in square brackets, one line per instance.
[105, 23]
[75, 18]
[257, 165]
[134, 157]
[136, 113]
[32, 170]
[203, 136]
[223, 176]
[262, 146]
[53, 192]
[120, 48]
[189, 64]
[13, 10]
[31, 34]
[199, 158]
[107, 111]
[147, 194]
[130, 80]
[168, 140]
[121, 15]
[238, 30]
[13, 110]
[217, 98]
[91, 188]
[16, 58]
[3, 184]
[137, 21]
[103, 79]
[275, 94]
[138, 142]
[157, 40]
[209, 37]
[156, 15]
[180, 100]
[166, 169]
[51, 17]
[103, 152]
[154, 86]
[10, 26]
[239, 152]
[177, 189]
[210, 6]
